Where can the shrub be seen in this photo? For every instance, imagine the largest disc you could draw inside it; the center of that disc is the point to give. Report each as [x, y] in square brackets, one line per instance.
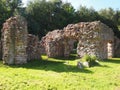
[86, 58]
[91, 59]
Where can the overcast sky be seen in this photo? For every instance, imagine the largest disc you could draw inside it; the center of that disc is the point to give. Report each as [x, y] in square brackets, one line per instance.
[96, 4]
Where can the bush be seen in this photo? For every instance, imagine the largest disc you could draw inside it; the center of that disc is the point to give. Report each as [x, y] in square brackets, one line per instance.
[91, 59]
[86, 58]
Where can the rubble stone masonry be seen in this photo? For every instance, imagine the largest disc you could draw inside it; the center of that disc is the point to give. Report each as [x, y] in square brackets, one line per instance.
[33, 48]
[14, 41]
[94, 38]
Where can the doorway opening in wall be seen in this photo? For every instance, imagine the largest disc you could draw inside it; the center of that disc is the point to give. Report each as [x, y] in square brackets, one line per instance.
[73, 53]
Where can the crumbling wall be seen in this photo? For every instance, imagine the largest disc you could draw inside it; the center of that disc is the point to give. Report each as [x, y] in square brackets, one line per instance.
[95, 38]
[33, 48]
[117, 47]
[18, 46]
[42, 45]
[14, 40]
[53, 43]
[0, 50]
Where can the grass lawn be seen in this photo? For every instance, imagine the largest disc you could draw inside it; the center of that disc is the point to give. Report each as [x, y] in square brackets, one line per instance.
[57, 74]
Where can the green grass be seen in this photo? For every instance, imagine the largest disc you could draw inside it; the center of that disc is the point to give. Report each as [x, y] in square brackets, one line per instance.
[57, 74]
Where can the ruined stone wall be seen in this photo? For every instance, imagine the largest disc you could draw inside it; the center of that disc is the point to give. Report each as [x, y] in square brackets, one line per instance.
[0, 50]
[18, 46]
[93, 38]
[42, 45]
[33, 48]
[117, 47]
[55, 44]
[14, 41]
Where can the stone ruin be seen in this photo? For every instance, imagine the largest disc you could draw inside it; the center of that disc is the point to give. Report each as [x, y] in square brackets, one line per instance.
[116, 47]
[33, 47]
[14, 41]
[0, 50]
[19, 47]
[94, 38]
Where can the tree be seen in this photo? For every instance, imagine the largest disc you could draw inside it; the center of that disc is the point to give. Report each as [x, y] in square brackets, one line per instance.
[116, 17]
[8, 8]
[69, 12]
[53, 14]
[110, 18]
[39, 15]
[4, 12]
[108, 13]
[86, 14]
[14, 6]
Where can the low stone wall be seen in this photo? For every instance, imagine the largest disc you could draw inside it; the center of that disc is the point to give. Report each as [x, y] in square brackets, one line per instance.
[42, 45]
[33, 48]
[93, 38]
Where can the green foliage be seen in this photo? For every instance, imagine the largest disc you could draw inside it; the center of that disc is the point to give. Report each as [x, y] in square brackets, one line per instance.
[4, 12]
[9, 8]
[87, 14]
[107, 13]
[86, 58]
[14, 6]
[91, 59]
[52, 15]
[111, 18]
[44, 16]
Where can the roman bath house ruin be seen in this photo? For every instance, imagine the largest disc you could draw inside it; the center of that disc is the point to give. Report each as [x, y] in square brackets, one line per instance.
[19, 47]
[94, 38]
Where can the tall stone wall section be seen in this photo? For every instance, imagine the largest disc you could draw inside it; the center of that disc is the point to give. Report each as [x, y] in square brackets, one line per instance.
[14, 41]
[17, 46]
[95, 38]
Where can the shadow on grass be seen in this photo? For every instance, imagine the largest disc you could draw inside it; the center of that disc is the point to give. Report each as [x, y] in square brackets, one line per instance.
[71, 57]
[51, 66]
[113, 60]
[104, 66]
